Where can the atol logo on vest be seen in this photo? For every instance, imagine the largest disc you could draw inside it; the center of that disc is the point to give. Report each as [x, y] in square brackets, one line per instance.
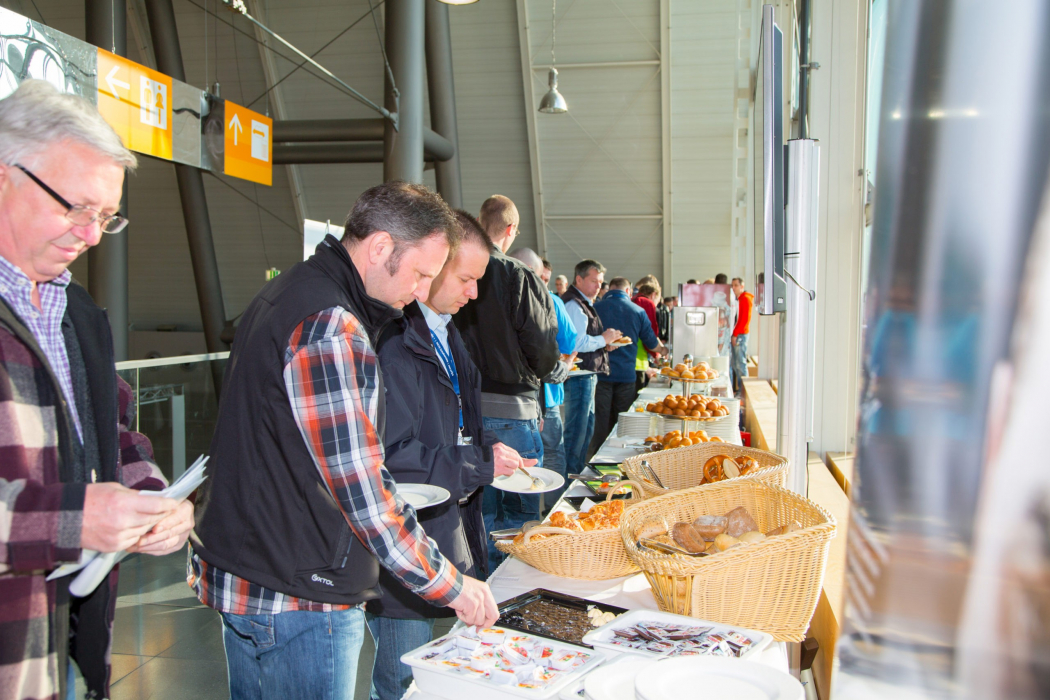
[319, 579]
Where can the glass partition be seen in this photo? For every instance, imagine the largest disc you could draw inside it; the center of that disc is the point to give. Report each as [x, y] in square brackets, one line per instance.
[176, 405]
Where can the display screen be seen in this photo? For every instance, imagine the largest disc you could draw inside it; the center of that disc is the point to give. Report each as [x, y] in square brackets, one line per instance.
[767, 170]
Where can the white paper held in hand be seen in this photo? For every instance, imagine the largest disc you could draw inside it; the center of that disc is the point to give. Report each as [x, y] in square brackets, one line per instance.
[97, 566]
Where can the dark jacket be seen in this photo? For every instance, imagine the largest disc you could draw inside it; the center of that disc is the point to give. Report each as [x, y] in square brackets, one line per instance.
[510, 330]
[421, 435]
[42, 625]
[598, 360]
[265, 514]
[618, 311]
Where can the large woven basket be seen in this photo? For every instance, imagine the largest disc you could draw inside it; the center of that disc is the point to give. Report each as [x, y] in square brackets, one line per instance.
[771, 585]
[683, 467]
[591, 556]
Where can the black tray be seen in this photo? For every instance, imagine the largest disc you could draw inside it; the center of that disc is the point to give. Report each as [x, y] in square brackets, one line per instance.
[577, 501]
[554, 598]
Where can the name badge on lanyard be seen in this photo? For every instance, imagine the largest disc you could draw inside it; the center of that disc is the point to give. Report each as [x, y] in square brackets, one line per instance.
[450, 368]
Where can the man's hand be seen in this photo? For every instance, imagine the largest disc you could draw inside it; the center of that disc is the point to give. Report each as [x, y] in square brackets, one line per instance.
[506, 460]
[115, 517]
[611, 334]
[169, 534]
[650, 372]
[475, 604]
[661, 349]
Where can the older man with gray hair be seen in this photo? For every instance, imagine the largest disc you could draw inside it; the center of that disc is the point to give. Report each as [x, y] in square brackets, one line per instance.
[70, 467]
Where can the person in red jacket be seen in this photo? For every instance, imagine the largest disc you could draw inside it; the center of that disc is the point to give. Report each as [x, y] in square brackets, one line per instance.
[745, 300]
[646, 297]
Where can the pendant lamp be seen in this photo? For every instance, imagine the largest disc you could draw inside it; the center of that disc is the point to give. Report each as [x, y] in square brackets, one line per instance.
[553, 102]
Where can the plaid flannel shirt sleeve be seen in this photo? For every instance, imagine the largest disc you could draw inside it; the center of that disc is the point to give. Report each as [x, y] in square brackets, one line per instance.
[138, 469]
[331, 376]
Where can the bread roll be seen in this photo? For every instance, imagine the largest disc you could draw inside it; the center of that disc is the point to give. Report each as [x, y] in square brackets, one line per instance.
[784, 529]
[686, 536]
[651, 529]
[724, 542]
[739, 521]
[710, 526]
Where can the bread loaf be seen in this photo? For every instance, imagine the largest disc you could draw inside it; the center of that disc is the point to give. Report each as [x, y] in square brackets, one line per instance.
[686, 537]
[739, 522]
[710, 526]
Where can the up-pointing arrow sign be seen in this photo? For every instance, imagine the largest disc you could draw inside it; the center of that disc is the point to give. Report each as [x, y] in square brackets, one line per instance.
[235, 124]
[114, 83]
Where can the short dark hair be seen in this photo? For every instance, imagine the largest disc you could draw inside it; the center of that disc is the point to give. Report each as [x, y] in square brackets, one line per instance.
[691, 282]
[721, 278]
[546, 264]
[410, 213]
[668, 300]
[584, 267]
[738, 279]
[470, 231]
[619, 283]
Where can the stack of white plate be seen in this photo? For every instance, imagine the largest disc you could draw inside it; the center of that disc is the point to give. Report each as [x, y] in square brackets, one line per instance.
[690, 678]
[634, 424]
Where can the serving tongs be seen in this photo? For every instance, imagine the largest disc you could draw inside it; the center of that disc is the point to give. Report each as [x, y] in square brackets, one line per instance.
[607, 479]
[664, 548]
[650, 474]
[511, 533]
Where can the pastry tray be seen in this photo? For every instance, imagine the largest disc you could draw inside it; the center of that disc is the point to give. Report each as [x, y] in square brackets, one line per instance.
[600, 638]
[552, 598]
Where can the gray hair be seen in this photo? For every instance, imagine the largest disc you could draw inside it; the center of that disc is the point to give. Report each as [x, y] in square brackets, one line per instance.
[529, 257]
[37, 115]
[563, 278]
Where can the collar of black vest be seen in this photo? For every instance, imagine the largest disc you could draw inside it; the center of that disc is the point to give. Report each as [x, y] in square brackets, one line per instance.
[334, 260]
[575, 294]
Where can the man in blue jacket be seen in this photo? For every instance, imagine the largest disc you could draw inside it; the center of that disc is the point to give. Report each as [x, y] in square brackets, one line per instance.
[434, 435]
[616, 390]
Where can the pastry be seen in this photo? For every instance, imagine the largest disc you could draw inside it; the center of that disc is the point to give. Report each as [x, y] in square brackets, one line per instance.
[730, 468]
[784, 529]
[753, 536]
[739, 521]
[710, 526]
[686, 537]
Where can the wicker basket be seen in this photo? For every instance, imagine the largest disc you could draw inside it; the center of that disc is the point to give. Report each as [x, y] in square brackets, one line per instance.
[683, 467]
[591, 556]
[772, 586]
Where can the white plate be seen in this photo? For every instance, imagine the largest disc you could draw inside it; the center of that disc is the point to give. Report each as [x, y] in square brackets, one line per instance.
[700, 678]
[616, 681]
[423, 495]
[519, 483]
[622, 340]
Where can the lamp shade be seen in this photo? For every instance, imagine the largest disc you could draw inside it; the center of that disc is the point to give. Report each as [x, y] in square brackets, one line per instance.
[553, 102]
[458, 2]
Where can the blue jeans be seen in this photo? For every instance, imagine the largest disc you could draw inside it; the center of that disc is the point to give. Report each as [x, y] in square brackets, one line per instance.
[579, 420]
[738, 363]
[502, 509]
[293, 654]
[553, 449]
[393, 638]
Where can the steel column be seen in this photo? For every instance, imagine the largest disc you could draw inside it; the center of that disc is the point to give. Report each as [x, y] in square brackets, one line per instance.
[295, 131]
[191, 188]
[310, 153]
[106, 27]
[441, 85]
[403, 158]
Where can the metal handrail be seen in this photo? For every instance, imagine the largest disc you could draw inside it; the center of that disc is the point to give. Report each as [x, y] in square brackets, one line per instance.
[169, 361]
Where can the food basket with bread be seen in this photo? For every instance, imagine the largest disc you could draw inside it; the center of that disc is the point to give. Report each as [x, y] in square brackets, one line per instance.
[737, 552]
[700, 464]
[584, 546]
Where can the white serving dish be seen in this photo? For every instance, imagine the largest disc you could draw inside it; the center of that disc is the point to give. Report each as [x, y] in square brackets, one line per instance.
[600, 638]
[448, 683]
[710, 678]
[616, 680]
[423, 495]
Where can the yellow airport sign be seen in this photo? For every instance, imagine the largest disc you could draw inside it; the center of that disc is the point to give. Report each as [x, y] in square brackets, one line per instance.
[249, 144]
[136, 102]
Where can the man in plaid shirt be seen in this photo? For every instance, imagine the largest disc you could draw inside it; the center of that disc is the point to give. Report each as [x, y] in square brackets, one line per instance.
[300, 512]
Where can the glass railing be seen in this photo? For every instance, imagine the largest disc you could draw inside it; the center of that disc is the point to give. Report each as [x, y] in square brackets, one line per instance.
[176, 405]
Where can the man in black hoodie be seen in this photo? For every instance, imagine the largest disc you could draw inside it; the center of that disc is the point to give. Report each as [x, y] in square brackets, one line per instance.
[511, 333]
[435, 436]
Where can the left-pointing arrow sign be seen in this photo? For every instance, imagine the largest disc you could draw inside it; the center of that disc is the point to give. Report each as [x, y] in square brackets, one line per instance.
[114, 83]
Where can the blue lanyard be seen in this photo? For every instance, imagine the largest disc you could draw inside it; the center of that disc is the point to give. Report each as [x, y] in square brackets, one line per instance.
[450, 368]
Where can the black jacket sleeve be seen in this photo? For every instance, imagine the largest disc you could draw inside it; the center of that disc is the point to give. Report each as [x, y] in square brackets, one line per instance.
[534, 321]
[459, 468]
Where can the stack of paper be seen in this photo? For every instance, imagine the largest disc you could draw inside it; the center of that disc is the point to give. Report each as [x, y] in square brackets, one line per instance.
[94, 567]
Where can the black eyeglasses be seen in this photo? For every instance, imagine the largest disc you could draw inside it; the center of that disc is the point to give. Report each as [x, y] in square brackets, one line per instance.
[78, 213]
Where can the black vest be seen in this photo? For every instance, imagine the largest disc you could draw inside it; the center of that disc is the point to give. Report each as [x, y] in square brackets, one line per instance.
[265, 514]
[597, 361]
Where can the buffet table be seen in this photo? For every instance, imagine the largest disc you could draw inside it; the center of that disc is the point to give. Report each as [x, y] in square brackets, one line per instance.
[513, 577]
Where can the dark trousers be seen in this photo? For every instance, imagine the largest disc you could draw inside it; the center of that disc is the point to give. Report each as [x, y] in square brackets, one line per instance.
[610, 400]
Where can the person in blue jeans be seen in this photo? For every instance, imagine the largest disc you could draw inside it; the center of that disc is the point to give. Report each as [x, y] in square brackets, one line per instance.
[592, 347]
[510, 331]
[617, 390]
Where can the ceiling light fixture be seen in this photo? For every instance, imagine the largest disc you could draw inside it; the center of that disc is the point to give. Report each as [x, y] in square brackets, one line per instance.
[553, 102]
[458, 2]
